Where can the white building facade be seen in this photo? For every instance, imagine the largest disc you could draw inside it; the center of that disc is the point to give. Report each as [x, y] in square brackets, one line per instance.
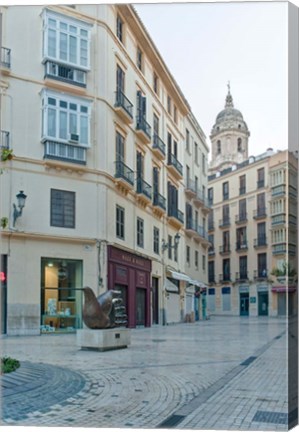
[98, 129]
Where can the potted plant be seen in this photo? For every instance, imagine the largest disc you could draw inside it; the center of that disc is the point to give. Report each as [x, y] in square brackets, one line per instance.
[6, 154]
[4, 222]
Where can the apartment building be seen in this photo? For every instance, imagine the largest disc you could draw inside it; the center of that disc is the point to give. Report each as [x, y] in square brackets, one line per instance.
[101, 136]
[252, 226]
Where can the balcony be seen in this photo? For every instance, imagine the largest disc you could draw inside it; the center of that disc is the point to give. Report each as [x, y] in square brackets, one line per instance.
[190, 189]
[4, 139]
[64, 152]
[242, 190]
[202, 235]
[124, 176]
[211, 251]
[241, 218]
[260, 242]
[241, 246]
[159, 147]
[143, 130]
[123, 107]
[242, 276]
[279, 219]
[5, 59]
[67, 74]
[260, 275]
[191, 227]
[260, 213]
[159, 204]
[224, 249]
[223, 223]
[211, 226]
[143, 191]
[278, 191]
[283, 248]
[175, 217]
[174, 166]
[260, 184]
[224, 277]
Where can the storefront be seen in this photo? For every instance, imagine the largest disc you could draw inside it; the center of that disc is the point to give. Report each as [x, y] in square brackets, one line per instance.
[285, 299]
[263, 299]
[244, 300]
[131, 274]
[61, 295]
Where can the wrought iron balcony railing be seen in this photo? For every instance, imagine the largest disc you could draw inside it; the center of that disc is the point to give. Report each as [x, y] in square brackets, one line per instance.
[260, 241]
[124, 172]
[241, 218]
[159, 200]
[260, 274]
[143, 125]
[224, 277]
[224, 222]
[224, 249]
[177, 214]
[121, 101]
[142, 187]
[241, 276]
[241, 245]
[172, 160]
[159, 144]
[260, 213]
[260, 184]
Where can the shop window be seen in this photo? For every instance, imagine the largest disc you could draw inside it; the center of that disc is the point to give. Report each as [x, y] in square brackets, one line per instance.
[62, 208]
[61, 295]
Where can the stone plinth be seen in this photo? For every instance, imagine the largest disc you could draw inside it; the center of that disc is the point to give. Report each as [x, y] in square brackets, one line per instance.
[103, 340]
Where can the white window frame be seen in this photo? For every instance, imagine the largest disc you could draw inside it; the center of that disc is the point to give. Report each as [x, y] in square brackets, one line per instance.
[72, 30]
[66, 111]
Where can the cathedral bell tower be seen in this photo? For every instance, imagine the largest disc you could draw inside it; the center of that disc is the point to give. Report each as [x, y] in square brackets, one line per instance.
[229, 137]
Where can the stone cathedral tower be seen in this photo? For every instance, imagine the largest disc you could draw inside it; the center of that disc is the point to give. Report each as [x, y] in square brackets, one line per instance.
[229, 137]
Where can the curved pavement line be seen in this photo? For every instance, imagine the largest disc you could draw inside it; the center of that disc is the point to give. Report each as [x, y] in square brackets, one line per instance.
[35, 387]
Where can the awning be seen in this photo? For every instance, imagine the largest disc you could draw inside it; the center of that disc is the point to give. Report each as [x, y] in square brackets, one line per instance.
[197, 283]
[170, 287]
[282, 289]
[178, 276]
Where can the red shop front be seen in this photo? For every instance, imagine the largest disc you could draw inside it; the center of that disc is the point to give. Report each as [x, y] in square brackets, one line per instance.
[131, 274]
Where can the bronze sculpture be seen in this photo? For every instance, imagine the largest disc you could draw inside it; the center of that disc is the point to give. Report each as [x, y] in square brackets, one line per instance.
[105, 311]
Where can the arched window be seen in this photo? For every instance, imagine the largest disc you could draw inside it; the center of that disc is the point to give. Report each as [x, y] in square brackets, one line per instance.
[218, 147]
[239, 144]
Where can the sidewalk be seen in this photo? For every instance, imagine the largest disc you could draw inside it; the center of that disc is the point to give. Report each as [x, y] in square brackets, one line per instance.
[224, 373]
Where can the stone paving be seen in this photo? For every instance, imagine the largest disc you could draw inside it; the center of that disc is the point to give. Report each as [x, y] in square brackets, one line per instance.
[224, 373]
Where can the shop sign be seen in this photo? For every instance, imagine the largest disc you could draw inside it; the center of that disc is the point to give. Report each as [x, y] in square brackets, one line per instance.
[252, 299]
[244, 288]
[262, 288]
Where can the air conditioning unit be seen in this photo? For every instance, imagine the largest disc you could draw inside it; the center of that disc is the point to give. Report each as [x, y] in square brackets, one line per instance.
[74, 138]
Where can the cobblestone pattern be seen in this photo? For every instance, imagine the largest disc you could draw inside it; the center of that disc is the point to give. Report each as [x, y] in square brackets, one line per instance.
[164, 370]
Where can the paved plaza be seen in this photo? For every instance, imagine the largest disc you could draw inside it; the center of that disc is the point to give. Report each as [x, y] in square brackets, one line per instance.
[223, 373]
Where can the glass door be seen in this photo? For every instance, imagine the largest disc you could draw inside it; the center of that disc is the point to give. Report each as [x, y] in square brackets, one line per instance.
[244, 304]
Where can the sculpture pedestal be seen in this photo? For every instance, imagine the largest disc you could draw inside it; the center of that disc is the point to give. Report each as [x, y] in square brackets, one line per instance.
[104, 339]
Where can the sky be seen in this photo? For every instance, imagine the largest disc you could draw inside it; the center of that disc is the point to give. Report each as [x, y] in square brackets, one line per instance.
[205, 45]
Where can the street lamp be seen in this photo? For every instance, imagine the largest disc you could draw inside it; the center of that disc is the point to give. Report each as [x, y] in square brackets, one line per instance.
[169, 246]
[21, 197]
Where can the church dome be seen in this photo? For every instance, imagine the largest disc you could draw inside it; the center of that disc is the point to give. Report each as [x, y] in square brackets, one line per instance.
[229, 118]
